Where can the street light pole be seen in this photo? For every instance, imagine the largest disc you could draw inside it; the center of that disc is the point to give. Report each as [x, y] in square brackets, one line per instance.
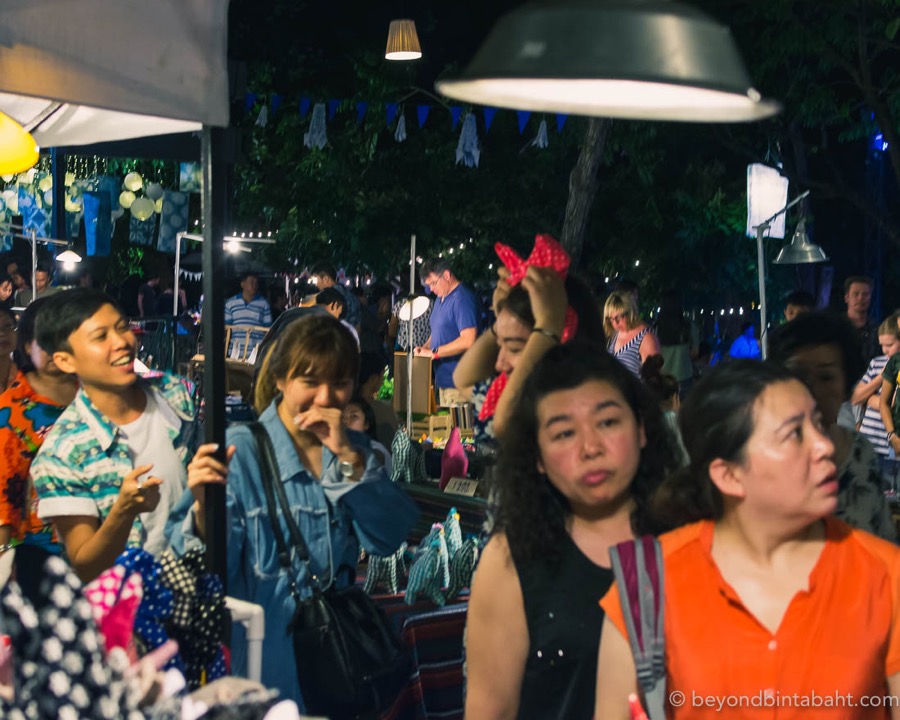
[761, 267]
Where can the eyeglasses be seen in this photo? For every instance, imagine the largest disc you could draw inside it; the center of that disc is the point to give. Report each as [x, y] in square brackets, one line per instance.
[615, 318]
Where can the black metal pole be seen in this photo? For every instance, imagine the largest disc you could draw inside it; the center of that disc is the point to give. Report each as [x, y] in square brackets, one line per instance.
[214, 209]
[58, 214]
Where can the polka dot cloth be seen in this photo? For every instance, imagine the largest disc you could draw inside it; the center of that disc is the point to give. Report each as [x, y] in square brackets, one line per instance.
[198, 615]
[59, 669]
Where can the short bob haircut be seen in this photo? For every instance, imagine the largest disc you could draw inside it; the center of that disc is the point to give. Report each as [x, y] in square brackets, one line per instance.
[531, 511]
[317, 345]
[64, 313]
[716, 420]
[620, 302]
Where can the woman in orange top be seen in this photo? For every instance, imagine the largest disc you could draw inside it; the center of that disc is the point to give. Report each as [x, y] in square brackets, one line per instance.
[772, 608]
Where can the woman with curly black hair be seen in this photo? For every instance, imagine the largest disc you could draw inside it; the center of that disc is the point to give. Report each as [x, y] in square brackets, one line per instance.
[584, 451]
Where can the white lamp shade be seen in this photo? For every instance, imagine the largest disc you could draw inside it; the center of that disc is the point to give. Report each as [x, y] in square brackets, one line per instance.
[68, 256]
[767, 193]
[418, 306]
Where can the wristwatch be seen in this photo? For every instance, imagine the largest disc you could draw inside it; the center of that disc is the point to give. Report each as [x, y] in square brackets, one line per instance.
[346, 469]
[890, 435]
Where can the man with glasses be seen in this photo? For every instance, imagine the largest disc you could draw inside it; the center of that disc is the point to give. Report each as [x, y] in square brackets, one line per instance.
[454, 326]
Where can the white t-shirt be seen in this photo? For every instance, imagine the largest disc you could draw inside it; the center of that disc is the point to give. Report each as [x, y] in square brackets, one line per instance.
[149, 444]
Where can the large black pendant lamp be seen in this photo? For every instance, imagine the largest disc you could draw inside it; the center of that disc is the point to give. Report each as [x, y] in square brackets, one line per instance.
[638, 59]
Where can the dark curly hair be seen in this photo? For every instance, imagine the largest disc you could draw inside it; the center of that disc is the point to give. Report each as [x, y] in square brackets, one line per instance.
[716, 421]
[531, 511]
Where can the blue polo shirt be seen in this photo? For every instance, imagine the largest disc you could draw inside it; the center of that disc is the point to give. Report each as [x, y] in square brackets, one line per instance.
[449, 317]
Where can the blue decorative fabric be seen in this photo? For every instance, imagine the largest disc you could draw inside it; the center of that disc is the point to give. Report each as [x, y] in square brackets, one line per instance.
[455, 113]
[422, 112]
[140, 232]
[400, 132]
[489, 113]
[172, 220]
[467, 151]
[523, 116]
[317, 136]
[32, 212]
[390, 112]
[97, 222]
[540, 140]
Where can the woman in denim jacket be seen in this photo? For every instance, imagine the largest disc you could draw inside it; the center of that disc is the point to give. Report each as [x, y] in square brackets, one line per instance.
[337, 489]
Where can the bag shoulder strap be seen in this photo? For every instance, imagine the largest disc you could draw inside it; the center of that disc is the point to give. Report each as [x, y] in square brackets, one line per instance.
[638, 568]
[272, 485]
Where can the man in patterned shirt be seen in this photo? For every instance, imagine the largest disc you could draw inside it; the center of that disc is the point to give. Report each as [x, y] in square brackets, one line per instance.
[93, 472]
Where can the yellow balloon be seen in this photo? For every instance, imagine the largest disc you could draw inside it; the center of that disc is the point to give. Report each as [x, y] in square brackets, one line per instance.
[18, 151]
[133, 181]
[142, 208]
[126, 198]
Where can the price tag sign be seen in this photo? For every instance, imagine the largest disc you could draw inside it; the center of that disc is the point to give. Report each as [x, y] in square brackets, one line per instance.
[461, 486]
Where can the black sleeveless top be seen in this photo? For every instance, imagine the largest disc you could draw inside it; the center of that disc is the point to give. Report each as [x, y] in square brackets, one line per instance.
[562, 609]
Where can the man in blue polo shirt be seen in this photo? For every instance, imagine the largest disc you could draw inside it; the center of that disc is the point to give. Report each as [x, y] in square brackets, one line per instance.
[248, 307]
[454, 326]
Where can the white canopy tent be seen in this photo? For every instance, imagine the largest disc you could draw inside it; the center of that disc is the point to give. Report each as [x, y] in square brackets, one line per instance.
[75, 72]
[78, 72]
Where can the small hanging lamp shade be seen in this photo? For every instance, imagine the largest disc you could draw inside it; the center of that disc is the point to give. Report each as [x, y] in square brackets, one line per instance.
[801, 250]
[636, 59]
[18, 150]
[403, 41]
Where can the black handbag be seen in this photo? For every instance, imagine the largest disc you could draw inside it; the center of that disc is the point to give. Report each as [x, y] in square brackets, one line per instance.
[350, 662]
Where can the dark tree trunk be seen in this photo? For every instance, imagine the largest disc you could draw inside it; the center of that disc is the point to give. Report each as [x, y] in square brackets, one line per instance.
[583, 188]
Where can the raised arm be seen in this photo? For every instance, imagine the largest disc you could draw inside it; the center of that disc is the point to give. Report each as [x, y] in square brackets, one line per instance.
[496, 637]
[93, 546]
[547, 293]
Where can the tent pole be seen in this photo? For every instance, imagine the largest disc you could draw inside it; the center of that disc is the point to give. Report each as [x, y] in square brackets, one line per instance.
[409, 335]
[177, 283]
[214, 199]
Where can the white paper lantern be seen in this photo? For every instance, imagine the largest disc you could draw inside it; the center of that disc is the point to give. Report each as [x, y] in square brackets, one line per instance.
[117, 213]
[45, 183]
[142, 208]
[126, 198]
[158, 205]
[7, 178]
[48, 197]
[133, 181]
[154, 191]
[767, 192]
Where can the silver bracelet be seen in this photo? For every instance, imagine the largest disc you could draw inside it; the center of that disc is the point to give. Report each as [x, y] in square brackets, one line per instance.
[4, 548]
